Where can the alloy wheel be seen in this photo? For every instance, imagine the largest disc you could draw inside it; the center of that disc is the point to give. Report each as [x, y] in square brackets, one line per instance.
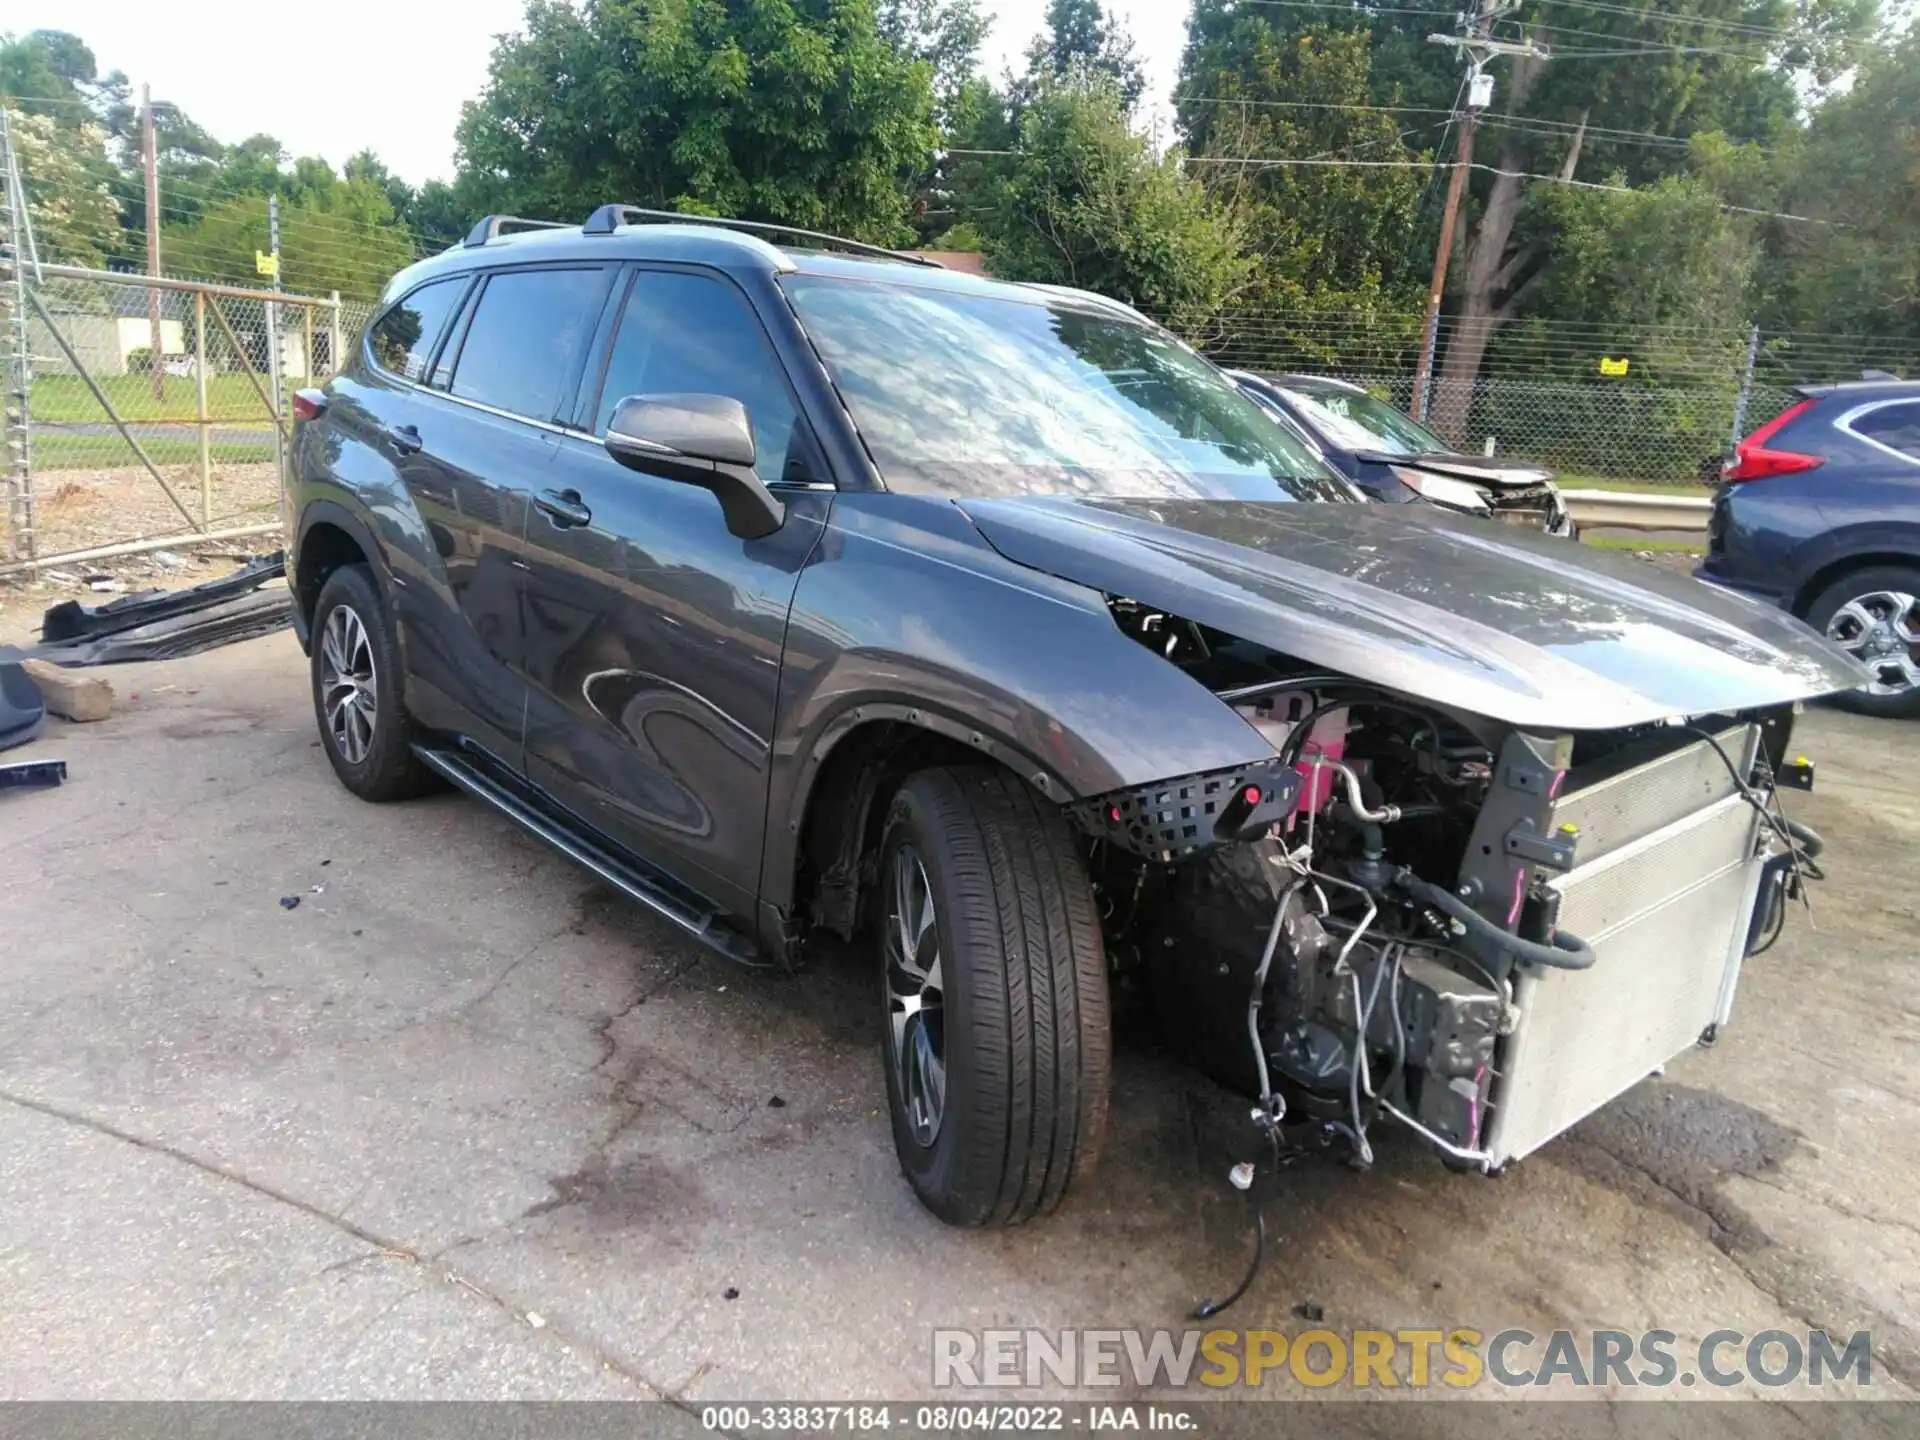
[916, 1014]
[349, 685]
[1882, 631]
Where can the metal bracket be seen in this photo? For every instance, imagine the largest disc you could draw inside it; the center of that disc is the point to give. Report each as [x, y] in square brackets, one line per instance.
[1554, 852]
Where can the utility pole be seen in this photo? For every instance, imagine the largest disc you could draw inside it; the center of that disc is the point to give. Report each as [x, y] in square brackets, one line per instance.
[150, 159]
[1479, 47]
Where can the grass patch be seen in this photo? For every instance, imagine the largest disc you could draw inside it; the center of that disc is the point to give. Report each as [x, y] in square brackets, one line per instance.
[1658, 547]
[109, 452]
[65, 399]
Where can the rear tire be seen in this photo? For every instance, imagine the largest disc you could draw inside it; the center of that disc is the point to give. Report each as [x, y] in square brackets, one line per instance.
[1868, 613]
[998, 1051]
[355, 668]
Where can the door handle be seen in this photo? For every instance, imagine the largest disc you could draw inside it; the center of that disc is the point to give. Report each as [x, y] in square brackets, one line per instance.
[564, 508]
[404, 439]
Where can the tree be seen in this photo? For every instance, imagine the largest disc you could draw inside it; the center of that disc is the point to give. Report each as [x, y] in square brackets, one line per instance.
[794, 111]
[1252, 97]
[1854, 265]
[436, 216]
[1078, 35]
[75, 220]
[945, 35]
[53, 73]
[1082, 201]
[368, 166]
[334, 235]
[1644, 82]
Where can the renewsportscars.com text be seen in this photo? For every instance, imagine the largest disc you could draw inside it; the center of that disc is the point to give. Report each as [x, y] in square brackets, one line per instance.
[1385, 1359]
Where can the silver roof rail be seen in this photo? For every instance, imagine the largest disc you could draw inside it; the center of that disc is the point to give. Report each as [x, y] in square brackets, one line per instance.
[609, 218]
[495, 226]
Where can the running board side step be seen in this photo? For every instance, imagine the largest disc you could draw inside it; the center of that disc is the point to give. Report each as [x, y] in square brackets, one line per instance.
[704, 924]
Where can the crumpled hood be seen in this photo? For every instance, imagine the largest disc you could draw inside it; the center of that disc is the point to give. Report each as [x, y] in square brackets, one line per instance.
[1473, 470]
[1517, 627]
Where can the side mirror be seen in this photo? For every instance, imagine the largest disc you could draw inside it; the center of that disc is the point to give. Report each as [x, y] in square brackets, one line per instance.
[703, 440]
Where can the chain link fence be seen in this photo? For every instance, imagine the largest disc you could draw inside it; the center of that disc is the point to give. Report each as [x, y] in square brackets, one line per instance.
[1650, 404]
[153, 413]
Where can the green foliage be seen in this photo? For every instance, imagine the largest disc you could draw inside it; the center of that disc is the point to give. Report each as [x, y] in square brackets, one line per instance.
[68, 184]
[338, 235]
[1667, 254]
[1252, 90]
[1858, 269]
[783, 110]
[1083, 202]
[1079, 35]
[945, 35]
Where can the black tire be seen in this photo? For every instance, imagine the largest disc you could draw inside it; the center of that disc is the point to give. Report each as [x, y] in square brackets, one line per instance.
[384, 767]
[1875, 580]
[1020, 1015]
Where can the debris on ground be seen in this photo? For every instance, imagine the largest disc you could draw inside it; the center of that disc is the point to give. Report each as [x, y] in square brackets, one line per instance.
[104, 584]
[289, 902]
[536, 1320]
[81, 698]
[729, 1293]
[167, 560]
[22, 709]
[776, 1103]
[1307, 1310]
[26, 774]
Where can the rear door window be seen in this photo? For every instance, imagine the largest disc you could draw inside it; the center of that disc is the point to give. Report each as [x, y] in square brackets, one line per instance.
[402, 340]
[529, 333]
[696, 335]
[1895, 426]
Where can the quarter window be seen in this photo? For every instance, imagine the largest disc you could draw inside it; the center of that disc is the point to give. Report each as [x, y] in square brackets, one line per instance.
[528, 333]
[1895, 426]
[694, 335]
[403, 338]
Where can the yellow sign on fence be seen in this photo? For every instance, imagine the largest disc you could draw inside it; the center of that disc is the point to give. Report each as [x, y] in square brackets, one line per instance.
[270, 264]
[1613, 368]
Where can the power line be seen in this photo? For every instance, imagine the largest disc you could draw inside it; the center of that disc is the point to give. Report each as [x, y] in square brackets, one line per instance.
[1266, 161]
[1633, 12]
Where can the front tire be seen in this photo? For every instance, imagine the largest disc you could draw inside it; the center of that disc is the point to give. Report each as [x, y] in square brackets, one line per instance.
[1874, 615]
[355, 668]
[998, 1050]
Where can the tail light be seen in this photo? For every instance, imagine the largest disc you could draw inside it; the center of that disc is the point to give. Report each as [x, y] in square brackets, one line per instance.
[309, 404]
[1755, 459]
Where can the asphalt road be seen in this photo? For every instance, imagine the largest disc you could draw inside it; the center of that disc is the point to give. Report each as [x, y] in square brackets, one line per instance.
[461, 1125]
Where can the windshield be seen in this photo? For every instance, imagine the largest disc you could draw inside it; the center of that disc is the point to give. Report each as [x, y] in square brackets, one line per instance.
[976, 395]
[1357, 421]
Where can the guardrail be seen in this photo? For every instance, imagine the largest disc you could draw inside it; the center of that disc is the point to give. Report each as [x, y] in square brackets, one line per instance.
[1627, 510]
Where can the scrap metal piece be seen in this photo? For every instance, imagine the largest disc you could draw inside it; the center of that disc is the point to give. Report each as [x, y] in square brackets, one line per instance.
[70, 620]
[24, 774]
[188, 634]
[23, 709]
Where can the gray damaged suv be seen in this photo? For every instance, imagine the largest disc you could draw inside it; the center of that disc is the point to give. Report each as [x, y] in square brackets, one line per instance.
[798, 588]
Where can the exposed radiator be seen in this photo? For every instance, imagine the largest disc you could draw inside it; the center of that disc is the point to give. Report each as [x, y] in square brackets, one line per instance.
[1670, 864]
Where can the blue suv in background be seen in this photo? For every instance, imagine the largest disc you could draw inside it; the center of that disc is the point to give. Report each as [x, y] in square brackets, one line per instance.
[1819, 512]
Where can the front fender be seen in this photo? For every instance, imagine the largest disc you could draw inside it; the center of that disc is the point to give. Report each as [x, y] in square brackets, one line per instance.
[905, 614]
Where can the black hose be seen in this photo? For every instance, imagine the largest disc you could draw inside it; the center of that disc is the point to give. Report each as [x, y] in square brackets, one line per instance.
[1808, 838]
[1567, 952]
[1212, 1308]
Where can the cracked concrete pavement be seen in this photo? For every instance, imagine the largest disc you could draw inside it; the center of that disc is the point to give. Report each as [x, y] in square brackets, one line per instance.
[463, 1125]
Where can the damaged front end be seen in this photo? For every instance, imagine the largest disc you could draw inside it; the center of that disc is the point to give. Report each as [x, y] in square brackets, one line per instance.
[1477, 932]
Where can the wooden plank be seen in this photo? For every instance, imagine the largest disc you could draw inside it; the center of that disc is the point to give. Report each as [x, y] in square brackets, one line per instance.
[71, 695]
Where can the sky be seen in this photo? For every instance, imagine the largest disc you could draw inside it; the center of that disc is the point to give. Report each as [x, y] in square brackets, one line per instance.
[390, 75]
